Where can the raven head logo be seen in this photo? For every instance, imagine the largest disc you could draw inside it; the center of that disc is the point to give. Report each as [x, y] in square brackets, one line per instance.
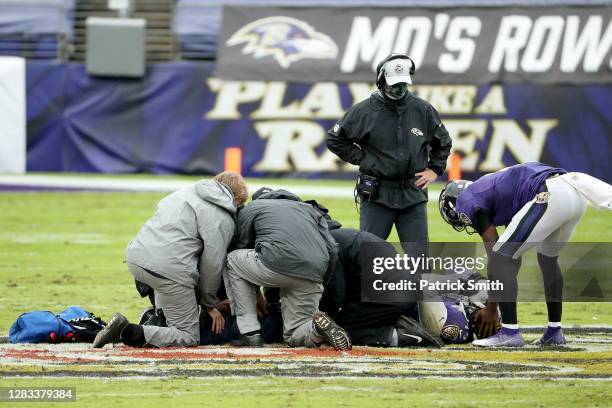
[285, 38]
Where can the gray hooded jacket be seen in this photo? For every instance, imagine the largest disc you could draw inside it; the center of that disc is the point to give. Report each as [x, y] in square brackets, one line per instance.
[290, 236]
[186, 240]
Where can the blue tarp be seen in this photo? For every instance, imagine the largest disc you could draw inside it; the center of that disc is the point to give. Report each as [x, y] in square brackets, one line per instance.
[180, 120]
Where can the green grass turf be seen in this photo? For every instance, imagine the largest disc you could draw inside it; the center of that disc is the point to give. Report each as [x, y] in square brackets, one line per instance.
[58, 249]
[316, 393]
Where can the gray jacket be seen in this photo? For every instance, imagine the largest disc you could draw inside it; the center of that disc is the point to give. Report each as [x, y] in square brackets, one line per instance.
[290, 237]
[186, 240]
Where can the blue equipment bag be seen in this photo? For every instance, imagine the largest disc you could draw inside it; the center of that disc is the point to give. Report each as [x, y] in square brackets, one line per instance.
[73, 324]
[37, 326]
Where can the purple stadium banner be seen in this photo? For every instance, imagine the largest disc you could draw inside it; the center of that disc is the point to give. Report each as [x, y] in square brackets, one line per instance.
[448, 45]
[180, 119]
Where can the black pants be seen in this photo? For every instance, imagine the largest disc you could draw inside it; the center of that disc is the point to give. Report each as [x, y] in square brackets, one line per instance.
[411, 222]
[371, 324]
[368, 323]
[271, 329]
[373, 337]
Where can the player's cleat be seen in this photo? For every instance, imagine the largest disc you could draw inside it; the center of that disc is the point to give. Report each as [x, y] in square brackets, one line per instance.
[146, 315]
[411, 334]
[152, 317]
[553, 336]
[112, 332]
[503, 338]
[254, 340]
[335, 335]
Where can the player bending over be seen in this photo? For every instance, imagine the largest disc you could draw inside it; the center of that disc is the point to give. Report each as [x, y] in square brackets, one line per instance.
[540, 206]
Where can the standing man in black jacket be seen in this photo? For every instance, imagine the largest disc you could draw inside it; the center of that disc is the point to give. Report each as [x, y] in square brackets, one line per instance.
[400, 145]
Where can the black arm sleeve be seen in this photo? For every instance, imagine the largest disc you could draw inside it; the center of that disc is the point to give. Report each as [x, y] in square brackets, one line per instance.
[440, 145]
[343, 143]
[482, 221]
[330, 243]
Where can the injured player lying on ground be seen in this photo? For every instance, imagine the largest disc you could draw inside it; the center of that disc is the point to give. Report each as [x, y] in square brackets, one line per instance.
[424, 324]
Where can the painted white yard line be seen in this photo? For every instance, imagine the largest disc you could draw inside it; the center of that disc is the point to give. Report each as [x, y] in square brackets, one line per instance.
[452, 377]
[161, 185]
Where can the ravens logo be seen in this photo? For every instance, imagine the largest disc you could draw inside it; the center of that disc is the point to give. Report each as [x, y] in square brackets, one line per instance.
[286, 39]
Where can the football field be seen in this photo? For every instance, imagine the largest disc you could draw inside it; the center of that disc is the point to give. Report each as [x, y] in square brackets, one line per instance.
[66, 248]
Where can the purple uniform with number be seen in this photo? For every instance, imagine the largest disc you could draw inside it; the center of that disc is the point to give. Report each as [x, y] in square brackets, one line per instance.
[503, 193]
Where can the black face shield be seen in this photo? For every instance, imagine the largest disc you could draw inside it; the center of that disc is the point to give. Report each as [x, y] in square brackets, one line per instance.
[397, 91]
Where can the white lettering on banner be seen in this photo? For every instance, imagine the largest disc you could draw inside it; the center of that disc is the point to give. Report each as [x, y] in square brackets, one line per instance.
[587, 46]
[294, 140]
[272, 104]
[231, 94]
[493, 102]
[543, 44]
[440, 25]
[323, 101]
[541, 41]
[507, 133]
[293, 143]
[448, 99]
[365, 46]
[464, 47]
[511, 38]
[413, 37]
[522, 43]
[360, 91]
[465, 134]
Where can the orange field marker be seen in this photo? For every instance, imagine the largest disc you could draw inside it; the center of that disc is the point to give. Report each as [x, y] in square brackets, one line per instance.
[233, 159]
[454, 167]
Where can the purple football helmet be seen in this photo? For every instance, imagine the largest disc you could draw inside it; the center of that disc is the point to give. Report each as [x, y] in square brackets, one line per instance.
[456, 327]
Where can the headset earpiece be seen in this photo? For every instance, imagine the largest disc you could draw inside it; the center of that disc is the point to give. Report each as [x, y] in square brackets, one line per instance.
[380, 79]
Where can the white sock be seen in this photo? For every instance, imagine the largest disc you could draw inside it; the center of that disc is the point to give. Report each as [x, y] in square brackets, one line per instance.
[554, 324]
[510, 326]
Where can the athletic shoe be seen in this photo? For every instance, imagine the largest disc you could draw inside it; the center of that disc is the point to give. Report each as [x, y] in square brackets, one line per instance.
[112, 332]
[146, 315]
[335, 335]
[553, 336]
[254, 340]
[503, 338]
[411, 334]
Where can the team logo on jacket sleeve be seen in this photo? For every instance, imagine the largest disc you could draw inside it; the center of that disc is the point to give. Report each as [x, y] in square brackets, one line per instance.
[286, 39]
[417, 132]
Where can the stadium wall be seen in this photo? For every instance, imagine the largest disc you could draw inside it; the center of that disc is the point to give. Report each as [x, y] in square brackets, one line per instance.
[181, 118]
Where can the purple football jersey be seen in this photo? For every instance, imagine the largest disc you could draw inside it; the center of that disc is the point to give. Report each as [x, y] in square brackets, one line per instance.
[503, 193]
